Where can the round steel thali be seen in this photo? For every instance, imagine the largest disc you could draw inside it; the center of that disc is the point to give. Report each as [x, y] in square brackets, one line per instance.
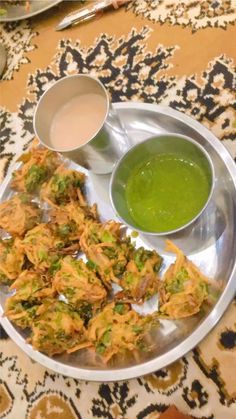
[209, 242]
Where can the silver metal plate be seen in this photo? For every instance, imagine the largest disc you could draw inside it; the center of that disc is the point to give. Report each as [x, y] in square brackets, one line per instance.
[18, 11]
[210, 242]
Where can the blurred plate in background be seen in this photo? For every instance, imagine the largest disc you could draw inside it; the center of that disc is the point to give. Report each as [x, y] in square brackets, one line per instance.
[19, 11]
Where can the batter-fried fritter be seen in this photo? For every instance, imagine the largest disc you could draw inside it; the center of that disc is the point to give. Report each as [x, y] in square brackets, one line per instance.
[11, 259]
[71, 219]
[107, 252]
[41, 245]
[39, 165]
[79, 284]
[19, 214]
[31, 288]
[183, 289]
[63, 187]
[118, 328]
[140, 280]
[57, 328]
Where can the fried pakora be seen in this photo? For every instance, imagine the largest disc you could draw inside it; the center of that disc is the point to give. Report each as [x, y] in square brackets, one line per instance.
[19, 214]
[118, 328]
[31, 288]
[42, 246]
[140, 280]
[57, 328]
[80, 285]
[183, 289]
[107, 252]
[64, 186]
[38, 166]
[11, 259]
[71, 219]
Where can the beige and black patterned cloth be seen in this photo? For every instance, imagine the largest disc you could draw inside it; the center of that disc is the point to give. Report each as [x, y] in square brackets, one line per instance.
[175, 53]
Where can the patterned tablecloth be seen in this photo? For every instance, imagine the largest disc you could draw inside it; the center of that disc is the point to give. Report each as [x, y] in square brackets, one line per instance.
[175, 53]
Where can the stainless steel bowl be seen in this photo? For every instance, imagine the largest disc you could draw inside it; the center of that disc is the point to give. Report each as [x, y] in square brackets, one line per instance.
[171, 143]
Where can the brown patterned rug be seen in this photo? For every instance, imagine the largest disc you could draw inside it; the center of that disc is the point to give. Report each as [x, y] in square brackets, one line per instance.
[180, 54]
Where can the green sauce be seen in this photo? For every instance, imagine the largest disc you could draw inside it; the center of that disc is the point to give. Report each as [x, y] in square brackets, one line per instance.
[166, 192]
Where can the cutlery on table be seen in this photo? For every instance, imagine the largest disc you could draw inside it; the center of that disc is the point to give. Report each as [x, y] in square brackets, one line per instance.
[88, 12]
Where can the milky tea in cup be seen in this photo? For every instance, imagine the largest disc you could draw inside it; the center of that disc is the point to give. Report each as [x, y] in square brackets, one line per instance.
[81, 114]
[76, 118]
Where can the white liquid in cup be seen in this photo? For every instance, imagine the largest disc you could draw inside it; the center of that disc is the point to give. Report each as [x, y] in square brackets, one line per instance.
[77, 121]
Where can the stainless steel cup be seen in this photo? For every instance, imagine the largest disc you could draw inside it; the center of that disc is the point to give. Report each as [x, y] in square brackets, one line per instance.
[174, 144]
[99, 153]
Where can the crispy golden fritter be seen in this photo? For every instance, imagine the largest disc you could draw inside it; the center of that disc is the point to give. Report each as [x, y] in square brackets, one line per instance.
[64, 186]
[30, 289]
[118, 328]
[11, 259]
[71, 219]
[107, 252]
[19, 214]
[79, 284]
[140, 280]
[183, 288]
[38, 166]
[57, 328]
[42, 246]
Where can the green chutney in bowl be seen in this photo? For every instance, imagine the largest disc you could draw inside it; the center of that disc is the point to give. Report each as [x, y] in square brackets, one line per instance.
[162, 184]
